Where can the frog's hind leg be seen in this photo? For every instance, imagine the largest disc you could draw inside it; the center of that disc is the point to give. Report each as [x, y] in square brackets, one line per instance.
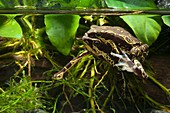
[59, 75]
[130, 66]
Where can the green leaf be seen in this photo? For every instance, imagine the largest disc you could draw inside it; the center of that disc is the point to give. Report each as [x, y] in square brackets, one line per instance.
[9, 3]
[131, 4]
[61, 30]
[9, 27]
[144, 26]
[166, 19]
[1, 4]
[86, 3]
[63, 4]
[29, 2]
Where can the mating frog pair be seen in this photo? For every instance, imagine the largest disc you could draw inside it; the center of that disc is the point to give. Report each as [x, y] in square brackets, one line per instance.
[114, 45]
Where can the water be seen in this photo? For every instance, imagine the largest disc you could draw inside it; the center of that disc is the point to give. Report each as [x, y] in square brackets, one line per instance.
[32, 25]
[106, 11]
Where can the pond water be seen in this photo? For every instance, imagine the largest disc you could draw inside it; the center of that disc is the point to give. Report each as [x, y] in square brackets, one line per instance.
[38, 42]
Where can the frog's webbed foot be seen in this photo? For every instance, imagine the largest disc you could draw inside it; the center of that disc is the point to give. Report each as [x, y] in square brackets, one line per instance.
[59, 75]
[125, 66]
[125, 63]
[130, 66]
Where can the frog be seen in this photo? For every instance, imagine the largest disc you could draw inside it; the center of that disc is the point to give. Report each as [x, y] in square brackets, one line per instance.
[115, 39]
[116, 46]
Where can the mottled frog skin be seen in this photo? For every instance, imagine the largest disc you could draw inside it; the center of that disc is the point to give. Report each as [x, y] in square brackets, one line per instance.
[104, 40]
[108, 39]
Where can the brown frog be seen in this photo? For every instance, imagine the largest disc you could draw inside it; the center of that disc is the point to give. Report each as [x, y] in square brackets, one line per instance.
[116, 46]
[115, 39]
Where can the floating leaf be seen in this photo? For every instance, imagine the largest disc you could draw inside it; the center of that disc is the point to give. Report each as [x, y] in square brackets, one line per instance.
[9, 27]
[61, 30]
[86, 3]
[131, 4]
[144, 26]
[63, 4]
[166, 19]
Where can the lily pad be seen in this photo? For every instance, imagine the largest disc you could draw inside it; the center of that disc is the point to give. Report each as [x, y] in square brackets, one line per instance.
[131, 4]
[61, 30]
[9, 27]
[145, 27]
[166, 19]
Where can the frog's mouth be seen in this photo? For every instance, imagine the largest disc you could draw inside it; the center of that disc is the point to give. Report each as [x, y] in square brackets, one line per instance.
[89, 43]
[98, 48]
[96, 42]
[88, 38]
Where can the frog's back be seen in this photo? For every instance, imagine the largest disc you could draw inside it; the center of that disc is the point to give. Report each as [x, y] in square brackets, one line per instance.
[115, 33]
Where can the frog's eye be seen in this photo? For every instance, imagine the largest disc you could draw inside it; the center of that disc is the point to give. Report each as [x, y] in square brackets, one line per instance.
[96, 42]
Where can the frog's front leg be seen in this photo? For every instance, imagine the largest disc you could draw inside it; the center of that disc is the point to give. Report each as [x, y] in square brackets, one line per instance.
[125, 66]
[130, 66]
[125, 62]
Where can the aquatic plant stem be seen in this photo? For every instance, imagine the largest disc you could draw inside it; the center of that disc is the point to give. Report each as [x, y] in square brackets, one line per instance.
[154, 102]
[85, 70]
[160, 85]
[92, 103]
[108, 97]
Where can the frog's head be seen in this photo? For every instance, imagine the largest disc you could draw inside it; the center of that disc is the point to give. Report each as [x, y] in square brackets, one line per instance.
[99, 48]
[94, 44]
[89, 42]
[114, 38]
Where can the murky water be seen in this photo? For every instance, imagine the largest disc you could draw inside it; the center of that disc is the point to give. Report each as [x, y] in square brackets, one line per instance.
[24, 23]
